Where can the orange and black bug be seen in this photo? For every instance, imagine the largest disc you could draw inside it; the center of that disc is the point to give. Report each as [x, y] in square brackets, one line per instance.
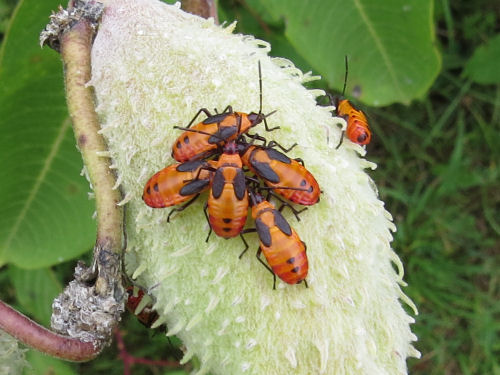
[285, 252]
[138, 305]
[202, 139]
[288, 177]
[178, 183]
[357, 129]
[227, 206]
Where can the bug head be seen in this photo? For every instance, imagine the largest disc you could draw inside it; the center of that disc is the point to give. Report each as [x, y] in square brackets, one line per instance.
[230, 148]
[255, 197]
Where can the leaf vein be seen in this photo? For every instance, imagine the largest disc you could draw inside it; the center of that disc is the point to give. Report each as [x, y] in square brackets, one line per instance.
[38, 182]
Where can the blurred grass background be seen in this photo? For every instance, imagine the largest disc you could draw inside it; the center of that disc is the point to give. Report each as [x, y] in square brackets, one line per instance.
[438, 172]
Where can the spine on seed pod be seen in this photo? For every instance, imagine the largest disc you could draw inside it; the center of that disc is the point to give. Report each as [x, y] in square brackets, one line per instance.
[155, 67]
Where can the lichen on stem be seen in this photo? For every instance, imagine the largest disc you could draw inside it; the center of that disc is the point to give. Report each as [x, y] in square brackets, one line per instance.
[95, 298]
[40, 338]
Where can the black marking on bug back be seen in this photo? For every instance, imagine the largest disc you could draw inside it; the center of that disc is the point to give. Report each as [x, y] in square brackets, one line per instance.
[291, 260]
[276, 155]
[281, 223]
[156, 188]
[263, 232]
[193, 187]
[189, 166]
[218, 183]
[215, 118]
[255, 118]
[224, 133]
[265, 171]
[239, 184]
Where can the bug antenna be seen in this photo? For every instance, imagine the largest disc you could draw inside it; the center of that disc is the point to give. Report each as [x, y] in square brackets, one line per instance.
[345, 77]
[270, 113]
[260, 89]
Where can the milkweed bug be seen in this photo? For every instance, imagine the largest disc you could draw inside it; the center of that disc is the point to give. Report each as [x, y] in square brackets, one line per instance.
[227, 206]
[178, 183]
[357, 129]
[202, 139]
[288, 177]
[285, 252]
[138, 304]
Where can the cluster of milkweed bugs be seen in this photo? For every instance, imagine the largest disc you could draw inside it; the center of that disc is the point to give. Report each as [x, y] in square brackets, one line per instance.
[357, 130]
[219, 155]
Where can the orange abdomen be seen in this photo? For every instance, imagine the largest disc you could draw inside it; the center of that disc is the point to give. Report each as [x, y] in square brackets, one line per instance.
[190, 143]
[287, 256]
[284, 250]
[228, 200]
[278, 170]
[357, 130]
[216, 129]
[176, 184]
[227, 215]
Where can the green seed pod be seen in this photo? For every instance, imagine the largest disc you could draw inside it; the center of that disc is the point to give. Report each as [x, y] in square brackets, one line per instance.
[154, 67]
[12, 358]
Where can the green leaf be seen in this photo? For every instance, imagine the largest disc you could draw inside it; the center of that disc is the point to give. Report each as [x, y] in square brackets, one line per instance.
[35, 291]
[45, 214]
[483, 65]
[390, 44]
[42, 364]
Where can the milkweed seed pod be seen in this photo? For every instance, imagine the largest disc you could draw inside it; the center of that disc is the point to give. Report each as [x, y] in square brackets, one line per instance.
[12, 357]
[154, 67]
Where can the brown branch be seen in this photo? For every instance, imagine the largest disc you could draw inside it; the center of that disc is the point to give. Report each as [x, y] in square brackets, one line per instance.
[40, 338]
[91, 305]
[75, 51]
[202, 8]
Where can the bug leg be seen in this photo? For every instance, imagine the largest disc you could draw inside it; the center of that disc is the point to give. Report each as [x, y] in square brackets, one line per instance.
[282, 148]
[259, 251]
[250, 230]
[293, 209]
[204, 110]
[206, 168]
[253, 179]
[305, 283]
[208, 221]
[256, 137]
[228, 109]
[183, 207]
[299, 160]
[341, 139]
[267, 126]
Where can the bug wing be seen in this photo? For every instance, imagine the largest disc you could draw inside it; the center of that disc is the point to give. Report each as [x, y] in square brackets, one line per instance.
[218, 183]
[194, 187]
[265, 171]
[263, 232]
[239, 185]
[281, 223]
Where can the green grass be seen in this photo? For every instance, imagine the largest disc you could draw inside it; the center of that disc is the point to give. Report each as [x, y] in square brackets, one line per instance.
[443, 189]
